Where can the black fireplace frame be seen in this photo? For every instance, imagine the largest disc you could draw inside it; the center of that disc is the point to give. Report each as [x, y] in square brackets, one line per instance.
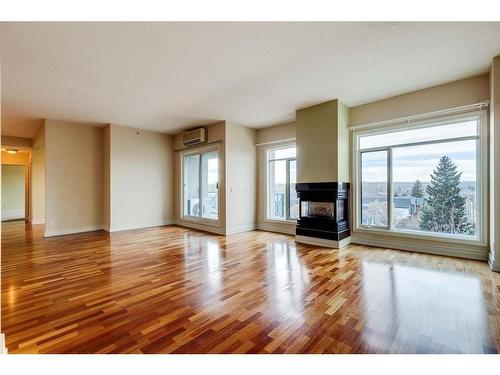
[329, 228]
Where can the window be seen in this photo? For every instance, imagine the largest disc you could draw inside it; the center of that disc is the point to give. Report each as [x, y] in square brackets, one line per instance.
[201, 180]
[426, 180]
[282, 201]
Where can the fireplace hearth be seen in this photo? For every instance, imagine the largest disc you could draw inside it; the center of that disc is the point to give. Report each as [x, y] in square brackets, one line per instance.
[324, 210]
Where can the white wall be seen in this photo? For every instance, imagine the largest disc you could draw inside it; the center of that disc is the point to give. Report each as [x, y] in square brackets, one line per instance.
[74, 177]
[241, 178]
[141, 178]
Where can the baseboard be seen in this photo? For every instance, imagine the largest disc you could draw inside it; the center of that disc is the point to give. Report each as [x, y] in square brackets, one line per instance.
[205, 228]
[241, 229]
[494, 264]
[446, 249]
[37, 222]
[3, 348]
[13, 214]
[118, 228]
[62, 232]
[323, 242]
[277, 228]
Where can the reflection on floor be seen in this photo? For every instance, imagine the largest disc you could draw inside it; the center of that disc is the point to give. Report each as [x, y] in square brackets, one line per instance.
[174, 290]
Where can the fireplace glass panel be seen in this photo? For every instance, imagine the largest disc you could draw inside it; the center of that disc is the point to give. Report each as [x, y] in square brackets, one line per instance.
[317, 209]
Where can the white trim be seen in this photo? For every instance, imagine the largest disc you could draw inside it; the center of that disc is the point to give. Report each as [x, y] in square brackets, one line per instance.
[278, 227]
[198, 226]
[427, 116]
[62, 232]
[322, 242]
[241, 229]
[131, 226]
[494, 264]
[446, 249]
[468, 247]
[3, 347]
[38, 222]
[278, 142]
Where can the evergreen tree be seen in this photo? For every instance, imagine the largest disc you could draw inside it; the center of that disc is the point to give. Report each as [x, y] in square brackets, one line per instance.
[444, 209]
[417, 191]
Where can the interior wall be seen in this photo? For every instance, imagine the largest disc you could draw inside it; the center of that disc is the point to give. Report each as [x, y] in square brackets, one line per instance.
[141, 178]
[277, 133]
[13, 191]
[450, 95]
[241, 178]
[38, 178]
[107, 178]
[215, 133]
[317, 146]
[74, 177]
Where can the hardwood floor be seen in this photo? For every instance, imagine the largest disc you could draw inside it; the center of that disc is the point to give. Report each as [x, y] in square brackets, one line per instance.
[174, 290]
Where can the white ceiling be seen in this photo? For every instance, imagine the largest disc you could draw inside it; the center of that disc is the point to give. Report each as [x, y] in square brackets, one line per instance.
[166, 76]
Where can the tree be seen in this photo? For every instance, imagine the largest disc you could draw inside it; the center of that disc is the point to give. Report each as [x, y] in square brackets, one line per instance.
[444, 209]
[417, 191]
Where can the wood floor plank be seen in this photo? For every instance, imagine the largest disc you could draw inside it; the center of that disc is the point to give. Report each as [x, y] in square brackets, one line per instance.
[176, 290]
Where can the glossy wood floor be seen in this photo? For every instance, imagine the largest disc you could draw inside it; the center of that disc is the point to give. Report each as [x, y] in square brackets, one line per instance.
[174, 290]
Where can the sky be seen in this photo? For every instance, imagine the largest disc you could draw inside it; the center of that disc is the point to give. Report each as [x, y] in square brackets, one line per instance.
[411, 163]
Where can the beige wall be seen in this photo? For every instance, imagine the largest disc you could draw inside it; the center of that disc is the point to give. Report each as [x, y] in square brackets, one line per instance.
[38, 178]
[272, 134]
[241, 178]
[107, 178]
[216, 133]
[141, 178]
[74, 177]
[275, 133]
[323, 143]
[450, 95]
[13, 191]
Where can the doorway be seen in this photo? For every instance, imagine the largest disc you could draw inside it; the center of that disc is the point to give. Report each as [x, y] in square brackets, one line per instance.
[14, 192]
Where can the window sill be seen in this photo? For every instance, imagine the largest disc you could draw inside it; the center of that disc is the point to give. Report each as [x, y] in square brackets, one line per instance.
[286, 222]
[204, 221]
[421, 236]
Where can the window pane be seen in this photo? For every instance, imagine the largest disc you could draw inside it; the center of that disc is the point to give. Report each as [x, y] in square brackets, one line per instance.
[374, 188]
[435, 187]
[460, 129]
[277, 189]
[191, 185]
[282, 153]
[294, 201]
[209, 181]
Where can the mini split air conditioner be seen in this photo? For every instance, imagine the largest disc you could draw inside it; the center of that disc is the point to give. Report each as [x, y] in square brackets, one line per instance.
[194, 137]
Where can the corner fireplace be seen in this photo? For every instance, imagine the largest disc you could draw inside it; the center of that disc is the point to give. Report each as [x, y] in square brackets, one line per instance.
[324, 208]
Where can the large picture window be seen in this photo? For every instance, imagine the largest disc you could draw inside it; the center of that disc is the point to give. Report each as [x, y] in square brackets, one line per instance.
[282, 202]
[200, 185]
[425, 180]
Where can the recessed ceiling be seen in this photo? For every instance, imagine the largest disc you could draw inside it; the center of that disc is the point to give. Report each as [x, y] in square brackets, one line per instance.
[167, 76]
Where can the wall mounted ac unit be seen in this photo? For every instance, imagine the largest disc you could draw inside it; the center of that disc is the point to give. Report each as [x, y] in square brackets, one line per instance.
[194, 137]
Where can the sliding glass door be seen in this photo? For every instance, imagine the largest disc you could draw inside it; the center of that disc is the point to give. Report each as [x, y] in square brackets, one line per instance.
[201, 185]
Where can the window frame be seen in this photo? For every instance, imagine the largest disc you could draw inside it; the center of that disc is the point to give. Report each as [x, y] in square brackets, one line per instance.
[200, 151]
[481, 176]
[268, 151]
